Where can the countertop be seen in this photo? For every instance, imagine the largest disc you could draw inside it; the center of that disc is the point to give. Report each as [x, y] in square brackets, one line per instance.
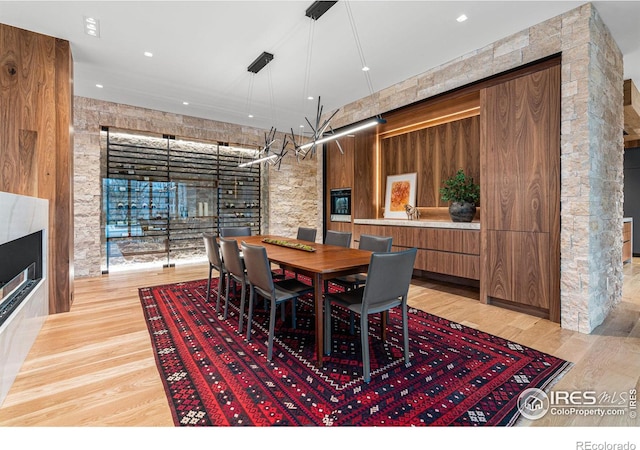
[475, 225]
[627, 219]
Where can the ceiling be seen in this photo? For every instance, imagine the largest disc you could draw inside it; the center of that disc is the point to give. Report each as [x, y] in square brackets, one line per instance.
[202, 49]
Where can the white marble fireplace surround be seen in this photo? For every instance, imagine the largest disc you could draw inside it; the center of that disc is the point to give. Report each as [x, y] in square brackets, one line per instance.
[20, 216]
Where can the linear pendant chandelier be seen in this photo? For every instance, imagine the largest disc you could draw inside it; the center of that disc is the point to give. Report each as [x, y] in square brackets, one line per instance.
[368, 124]
[258, 160]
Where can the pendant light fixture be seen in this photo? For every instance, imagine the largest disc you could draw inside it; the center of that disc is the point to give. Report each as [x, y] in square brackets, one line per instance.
[266, 155]
[353, 129]
[320, 130]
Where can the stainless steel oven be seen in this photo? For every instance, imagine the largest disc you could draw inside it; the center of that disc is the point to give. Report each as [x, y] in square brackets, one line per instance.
[341, 205]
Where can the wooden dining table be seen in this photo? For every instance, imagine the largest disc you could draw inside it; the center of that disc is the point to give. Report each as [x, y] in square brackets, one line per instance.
[323, 263]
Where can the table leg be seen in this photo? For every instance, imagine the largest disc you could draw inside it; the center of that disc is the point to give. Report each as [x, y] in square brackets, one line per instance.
[317, 292]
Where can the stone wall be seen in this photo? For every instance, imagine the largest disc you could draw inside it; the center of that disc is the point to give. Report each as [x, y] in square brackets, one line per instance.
[592, 145]
[290, 195]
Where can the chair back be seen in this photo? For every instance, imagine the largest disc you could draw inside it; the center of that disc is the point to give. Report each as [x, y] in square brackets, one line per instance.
[341, 238]
[307, 234]
[388, 279]
[231, 257]
[235, 231]
[258, 267]
[213, 249]
[376, 244]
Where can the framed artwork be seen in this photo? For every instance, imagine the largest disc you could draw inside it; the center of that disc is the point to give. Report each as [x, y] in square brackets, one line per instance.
[401, 190]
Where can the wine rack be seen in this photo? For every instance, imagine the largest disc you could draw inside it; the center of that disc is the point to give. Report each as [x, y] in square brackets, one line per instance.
[160, 194]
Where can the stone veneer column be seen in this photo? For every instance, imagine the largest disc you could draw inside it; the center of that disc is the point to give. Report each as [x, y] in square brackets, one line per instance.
[591, 145]
[592, 175]
[290, 195]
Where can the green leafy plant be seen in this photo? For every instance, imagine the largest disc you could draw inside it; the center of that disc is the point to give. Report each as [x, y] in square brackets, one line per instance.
[460, 188]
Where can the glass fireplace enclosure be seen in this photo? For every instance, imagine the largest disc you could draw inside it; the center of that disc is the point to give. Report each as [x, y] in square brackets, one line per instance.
[160, 194]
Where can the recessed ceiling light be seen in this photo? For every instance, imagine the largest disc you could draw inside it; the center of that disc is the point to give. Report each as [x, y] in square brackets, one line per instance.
[99, 86]
[148, 54]
[462, 18]
[301, 126]
[92, 26]
[365, 69]
[185, 103]
[310, 98]
[250, 116]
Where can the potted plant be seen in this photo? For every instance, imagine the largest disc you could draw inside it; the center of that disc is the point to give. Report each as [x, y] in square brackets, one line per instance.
[463, 194]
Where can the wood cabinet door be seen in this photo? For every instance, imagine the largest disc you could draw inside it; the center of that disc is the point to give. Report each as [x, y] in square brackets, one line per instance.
[520, 264]
[520, 149]
[520, 182]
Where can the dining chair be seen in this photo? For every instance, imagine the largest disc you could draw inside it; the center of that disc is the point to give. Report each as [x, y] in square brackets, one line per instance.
[386, 287]
[376, 244]
[235, 231]
[341, 238]
[212, 249]
[235, 268]
[307, 234]
[276, 292]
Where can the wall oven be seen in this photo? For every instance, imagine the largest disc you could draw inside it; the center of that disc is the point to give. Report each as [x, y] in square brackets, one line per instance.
[341, 205]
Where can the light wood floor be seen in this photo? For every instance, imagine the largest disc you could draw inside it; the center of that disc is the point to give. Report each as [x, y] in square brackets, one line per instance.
[94, 366]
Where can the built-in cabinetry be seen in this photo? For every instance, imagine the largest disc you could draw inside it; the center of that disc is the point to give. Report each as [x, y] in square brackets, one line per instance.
[445, 248]
[520, 191]
[503, 131]
[161, 194]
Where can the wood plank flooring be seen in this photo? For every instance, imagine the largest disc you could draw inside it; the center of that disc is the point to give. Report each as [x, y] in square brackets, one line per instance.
[94, 365]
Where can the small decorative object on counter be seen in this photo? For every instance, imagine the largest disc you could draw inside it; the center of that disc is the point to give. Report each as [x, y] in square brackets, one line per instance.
[413, 213]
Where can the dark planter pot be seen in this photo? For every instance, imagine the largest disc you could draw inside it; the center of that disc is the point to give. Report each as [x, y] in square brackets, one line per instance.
[462, 212]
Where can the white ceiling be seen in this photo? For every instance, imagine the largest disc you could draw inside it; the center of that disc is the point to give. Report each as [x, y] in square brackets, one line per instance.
[201, 49]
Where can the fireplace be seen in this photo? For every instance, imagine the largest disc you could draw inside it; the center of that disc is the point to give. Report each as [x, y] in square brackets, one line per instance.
[24, 291]
[20, 271]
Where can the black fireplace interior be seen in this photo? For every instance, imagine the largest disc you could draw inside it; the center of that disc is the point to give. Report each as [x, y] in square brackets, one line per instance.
[17, 257]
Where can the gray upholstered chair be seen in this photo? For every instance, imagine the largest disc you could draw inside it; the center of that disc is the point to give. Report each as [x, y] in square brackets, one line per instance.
[376, 244]
[341, 238]
[386, 287]
[307, 234]
[212, 249]
[234, 266]
[235, 231]
[276, 292]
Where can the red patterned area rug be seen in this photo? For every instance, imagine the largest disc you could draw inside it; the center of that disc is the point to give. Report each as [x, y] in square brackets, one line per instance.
[214, 377]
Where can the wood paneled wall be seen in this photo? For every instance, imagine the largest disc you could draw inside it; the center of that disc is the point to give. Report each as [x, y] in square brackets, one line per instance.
[365, 176]
[36, 140]
[435, 154]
